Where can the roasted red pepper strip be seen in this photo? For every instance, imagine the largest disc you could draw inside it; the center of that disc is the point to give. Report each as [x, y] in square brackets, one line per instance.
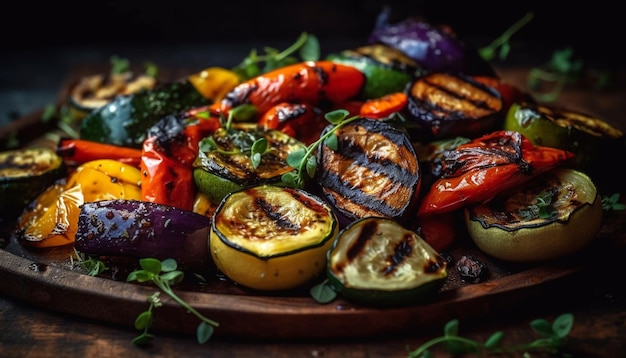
[384, 106]
[166, 161]
[302, 121]
[78, 151]
[478, 170]
[314, 82]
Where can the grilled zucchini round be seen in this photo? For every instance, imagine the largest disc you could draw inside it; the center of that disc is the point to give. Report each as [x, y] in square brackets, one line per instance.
[24, 174]
[272, 238]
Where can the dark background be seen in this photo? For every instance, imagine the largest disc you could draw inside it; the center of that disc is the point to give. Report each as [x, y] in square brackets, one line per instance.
[42, 42]
[591, 27]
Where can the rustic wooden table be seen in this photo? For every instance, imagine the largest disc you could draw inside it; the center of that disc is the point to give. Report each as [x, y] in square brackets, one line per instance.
[596, 297]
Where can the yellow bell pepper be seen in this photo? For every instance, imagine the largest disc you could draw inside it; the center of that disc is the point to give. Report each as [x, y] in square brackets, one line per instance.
[214, 82]
[52, 219]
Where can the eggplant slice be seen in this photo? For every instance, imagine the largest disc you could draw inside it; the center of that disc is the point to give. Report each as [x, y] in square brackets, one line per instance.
[373, 172]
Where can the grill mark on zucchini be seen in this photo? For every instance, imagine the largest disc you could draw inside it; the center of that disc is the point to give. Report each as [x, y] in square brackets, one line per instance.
[272, 213]
[367, 233]
[401, 252]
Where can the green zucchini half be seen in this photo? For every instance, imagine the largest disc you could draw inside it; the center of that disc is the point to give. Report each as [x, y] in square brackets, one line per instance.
[24, 174]
[226, 165]
[386, 69]
[376, 261]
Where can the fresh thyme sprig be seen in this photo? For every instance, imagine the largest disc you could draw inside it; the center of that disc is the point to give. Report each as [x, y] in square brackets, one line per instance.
[245, 142]
[552, 340]
[306, 46]
[164, 274]
[611, 203]
[502, 44]
[93, 265]
[303, 160]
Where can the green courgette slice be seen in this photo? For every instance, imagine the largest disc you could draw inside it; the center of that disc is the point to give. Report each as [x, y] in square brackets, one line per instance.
[24, 174]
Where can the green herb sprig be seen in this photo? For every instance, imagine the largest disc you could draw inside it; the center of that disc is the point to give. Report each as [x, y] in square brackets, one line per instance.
[306, 46]
[245, 142]
[303, 160]
[611, 203]
[553, 339]
[93, 265]
[501, 45]
[164, 275]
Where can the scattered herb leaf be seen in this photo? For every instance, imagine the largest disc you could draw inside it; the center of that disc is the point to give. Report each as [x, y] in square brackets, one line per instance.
[93, 265]
[306, 46]
[611, 203]
[501, 44]
[552, 340]
[323, 292]
[164, 275]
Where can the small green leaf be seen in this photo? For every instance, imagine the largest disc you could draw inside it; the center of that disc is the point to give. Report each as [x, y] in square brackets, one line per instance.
[542, 327]
[144, 320]
[172, 277]
[495, 340]
[168, 265]
[562, 325]
[143, 339]
[204, 332]
[311, 166]
[150, 265]
[140, 276]
[151, 69]
[119, 65]
[290, 179]
[323, 292]
[295, 158]
[332, 142]
[49, 112]
[310, 51]
[256, 160]
[244, 112]
[451, 328]
[336, 116]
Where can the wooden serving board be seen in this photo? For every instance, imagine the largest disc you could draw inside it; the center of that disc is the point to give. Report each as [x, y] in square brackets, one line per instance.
[48, 279]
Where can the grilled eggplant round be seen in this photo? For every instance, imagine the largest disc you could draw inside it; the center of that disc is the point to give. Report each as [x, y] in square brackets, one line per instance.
[445, 105]
[272, 238]
[374, 171]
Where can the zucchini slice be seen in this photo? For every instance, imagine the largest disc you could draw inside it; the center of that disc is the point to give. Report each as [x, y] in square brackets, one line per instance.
[386, 69]
[591, 139]
[376, 261]
[226, 165]
[272, 238]
[554, 215]
[95, 91]
[373, 172]
[24, 174]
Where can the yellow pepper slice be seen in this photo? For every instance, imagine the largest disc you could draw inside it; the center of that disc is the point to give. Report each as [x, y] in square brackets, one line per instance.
[52, 218]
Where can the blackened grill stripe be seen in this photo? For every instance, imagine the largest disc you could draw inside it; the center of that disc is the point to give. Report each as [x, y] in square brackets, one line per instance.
[368, 231]
[333, 182]
[401, 251]
[475, 103]
[270, 211]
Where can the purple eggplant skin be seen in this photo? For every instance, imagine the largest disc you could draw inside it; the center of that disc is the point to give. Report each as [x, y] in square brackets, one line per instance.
[437, 48]
[141, 229]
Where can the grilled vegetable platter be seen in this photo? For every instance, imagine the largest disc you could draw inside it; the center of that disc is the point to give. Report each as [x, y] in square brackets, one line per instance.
[393, 185]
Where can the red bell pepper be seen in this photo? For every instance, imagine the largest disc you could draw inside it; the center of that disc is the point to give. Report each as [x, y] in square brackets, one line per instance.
[478, 170]
[384, 106]
[78, 151]
[166, 160]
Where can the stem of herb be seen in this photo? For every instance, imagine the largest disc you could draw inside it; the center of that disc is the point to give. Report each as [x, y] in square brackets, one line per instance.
[165, 287]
